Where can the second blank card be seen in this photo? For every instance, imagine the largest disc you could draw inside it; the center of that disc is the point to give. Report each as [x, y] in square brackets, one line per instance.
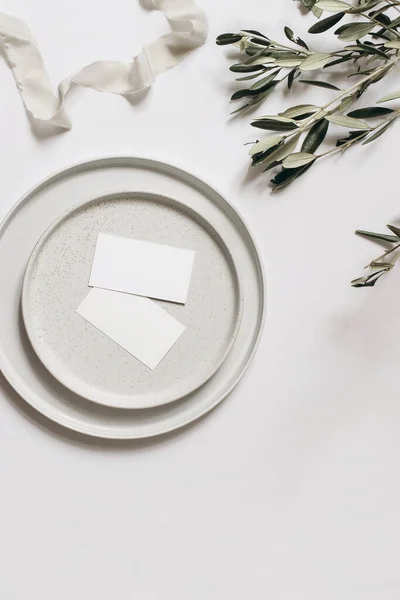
[135, 323]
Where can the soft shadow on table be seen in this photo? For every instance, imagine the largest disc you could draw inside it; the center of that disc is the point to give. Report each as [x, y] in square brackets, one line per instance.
[43, 130]
[78, 439]
[138, 97]
[260, 180]
[147, 4]
[252, 174]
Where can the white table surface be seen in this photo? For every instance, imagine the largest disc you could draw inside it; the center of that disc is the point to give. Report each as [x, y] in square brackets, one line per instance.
[290, 489]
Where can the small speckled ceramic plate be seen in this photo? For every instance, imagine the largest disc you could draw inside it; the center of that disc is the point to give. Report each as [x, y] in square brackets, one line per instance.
[25, 224]
[84, 359]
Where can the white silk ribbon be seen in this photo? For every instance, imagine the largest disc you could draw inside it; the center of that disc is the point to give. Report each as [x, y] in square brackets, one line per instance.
[188, 31]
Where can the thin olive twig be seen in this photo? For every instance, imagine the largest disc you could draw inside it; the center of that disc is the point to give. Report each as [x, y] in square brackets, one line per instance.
[381, 25]
[396, 247]
[356, 139]
[250, 37]
[394, 5]
[322, 112]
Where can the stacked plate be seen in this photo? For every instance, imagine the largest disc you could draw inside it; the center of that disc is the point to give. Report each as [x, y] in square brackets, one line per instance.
[73, 373]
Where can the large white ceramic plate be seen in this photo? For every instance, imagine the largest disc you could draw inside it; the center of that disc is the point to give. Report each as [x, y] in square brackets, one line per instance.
[21, 230]
[82, 357]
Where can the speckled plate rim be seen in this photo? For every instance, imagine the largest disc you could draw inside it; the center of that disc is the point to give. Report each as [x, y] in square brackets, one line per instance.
[10, 371]
[104, 398]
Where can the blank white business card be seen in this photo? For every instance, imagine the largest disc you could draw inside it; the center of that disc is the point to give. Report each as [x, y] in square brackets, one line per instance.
[143, 268]
[135, 323]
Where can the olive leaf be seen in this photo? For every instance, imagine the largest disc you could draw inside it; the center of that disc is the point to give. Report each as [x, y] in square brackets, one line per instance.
[228, 38]
[378, 15]
[308, 3]
[354, 31]
[369, 280]
[243, 68]
[293, 38]
[326, 24]
[298, 159]
[343, 121]
[249, 77]
[264, 145]
[286, 176]
[268, 64]
[260, 60]
[262, 84]
[388, 97]
[345, 104]
[378, 236]
[296, 112]
[255, 89]
[261, 42]
[315, 136]
[333, 5]
[395, 23]
[352, 137]
[275, 123]
[317, 11]
[378, 133]
[394, 229]
[338, 61]
[276, 157]
[315, 61]
[370, 112]
[322, 84]
[260, 157]
[292, 76]
[369, 48]
[289, 62]
[392, 44]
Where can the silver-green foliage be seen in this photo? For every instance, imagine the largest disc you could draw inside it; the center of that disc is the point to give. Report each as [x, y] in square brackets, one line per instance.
[369, 31]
